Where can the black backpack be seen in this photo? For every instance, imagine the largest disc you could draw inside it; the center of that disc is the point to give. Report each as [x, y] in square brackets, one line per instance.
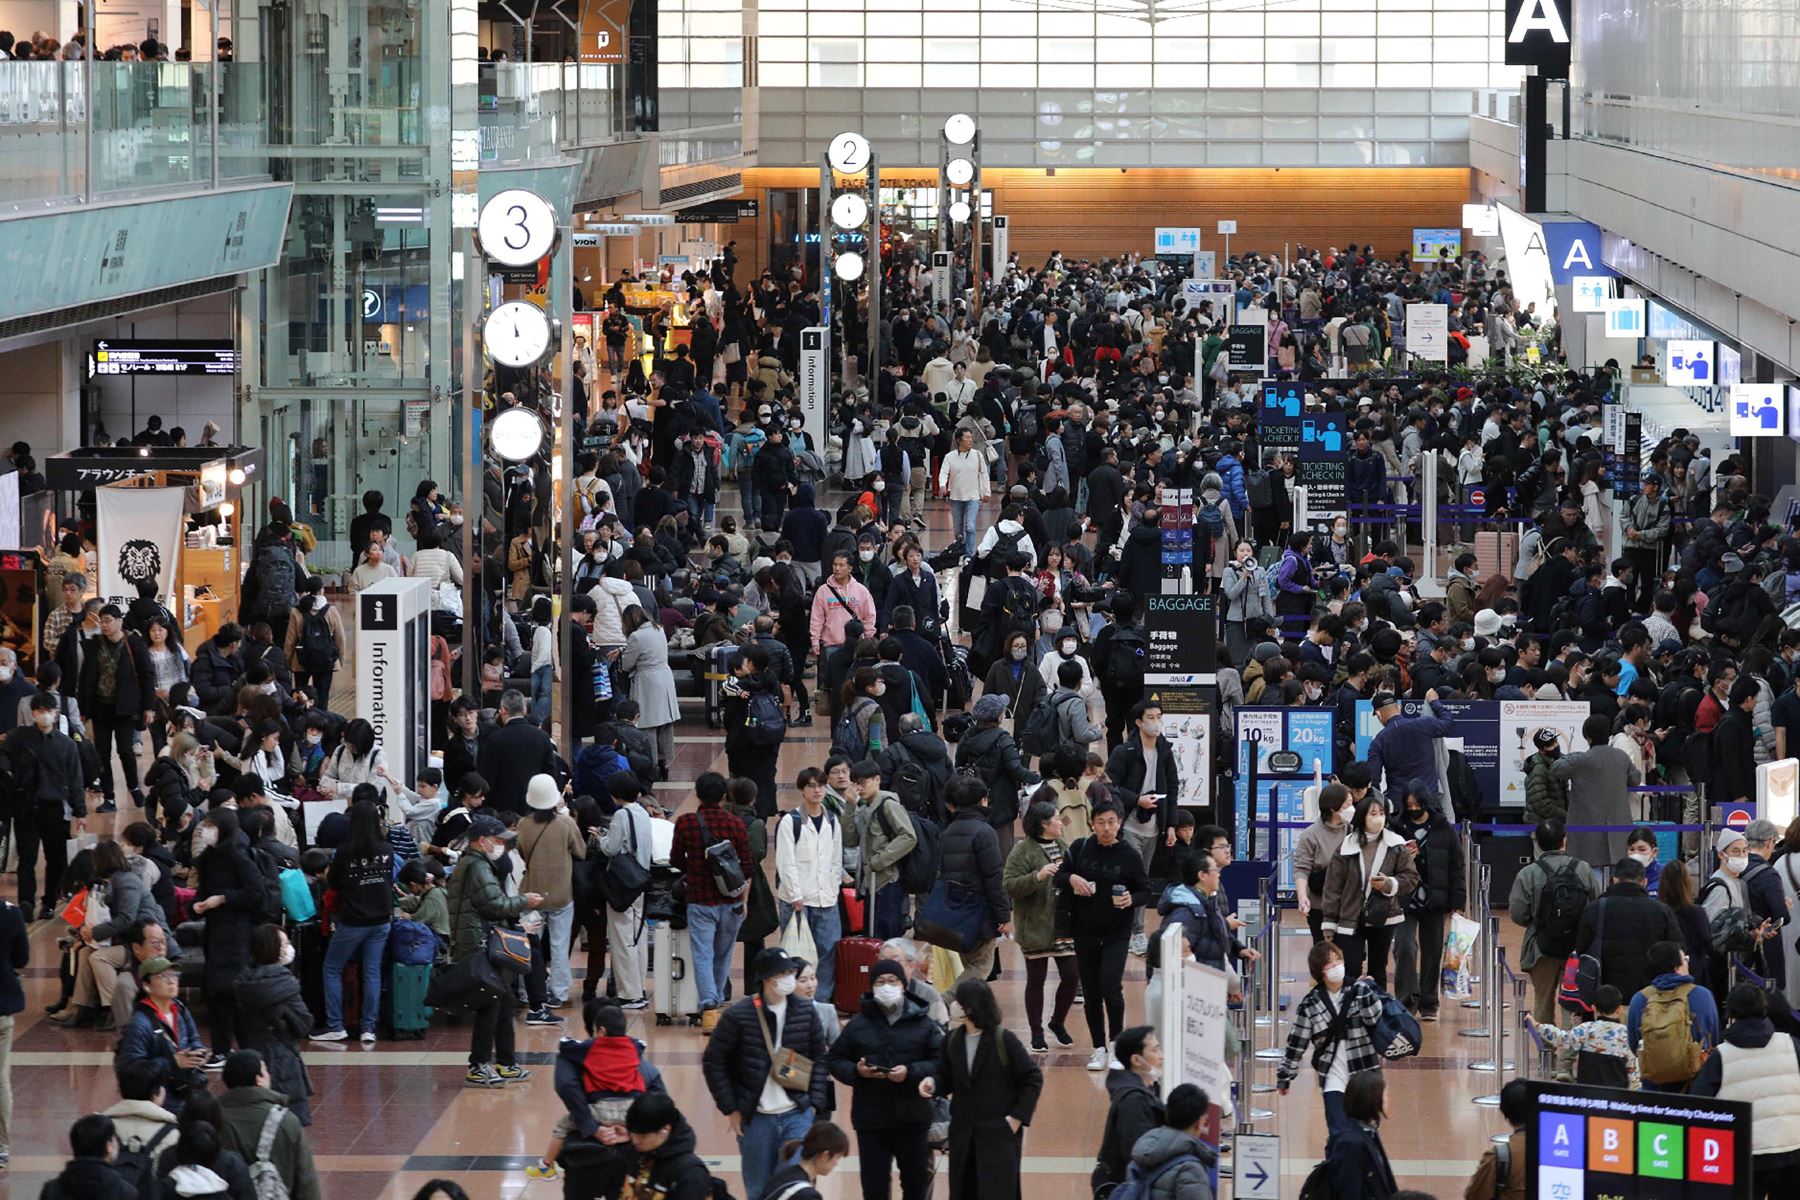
[1260, 488]
[275, 577]
[1318, 1183]
[919, 869]
[846, 738]
[138, 1167]
[1025, 421]
[270, 910]
[917, 788]
[318, 649]
[1040, 732]
[1125, 659]
[1564, 898]
[1005, 545]
[1018, 608]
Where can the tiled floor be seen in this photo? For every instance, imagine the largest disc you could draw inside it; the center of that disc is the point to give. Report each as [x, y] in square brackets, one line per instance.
[390, 1118]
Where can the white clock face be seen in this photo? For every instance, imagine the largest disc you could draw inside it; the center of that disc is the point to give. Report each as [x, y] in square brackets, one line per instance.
[959, 211]
[959, 129]
[849, 153]
[849, 211]
[959, 171]
[516, 228]
[517, 334]
[848, 266]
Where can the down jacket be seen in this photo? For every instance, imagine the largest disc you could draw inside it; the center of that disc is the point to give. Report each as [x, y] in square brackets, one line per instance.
[130, 900]
[272, 1020]
[477, 904]
[911, 1040]
[736, 1061]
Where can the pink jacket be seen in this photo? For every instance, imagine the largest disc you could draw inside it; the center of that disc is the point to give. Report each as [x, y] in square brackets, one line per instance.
[830, 615]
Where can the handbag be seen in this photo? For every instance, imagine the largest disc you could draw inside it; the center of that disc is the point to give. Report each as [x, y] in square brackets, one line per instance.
[788, 1068]
[797, 938]
[508, 949]
[954, 917]
[75, 911]
[626, 878]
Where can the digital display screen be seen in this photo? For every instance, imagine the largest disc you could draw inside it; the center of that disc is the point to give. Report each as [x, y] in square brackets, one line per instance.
[1589, 1143]
[166, 356]
[1427, 242]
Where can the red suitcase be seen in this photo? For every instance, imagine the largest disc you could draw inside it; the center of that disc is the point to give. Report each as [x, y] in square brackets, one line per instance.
[853, 958]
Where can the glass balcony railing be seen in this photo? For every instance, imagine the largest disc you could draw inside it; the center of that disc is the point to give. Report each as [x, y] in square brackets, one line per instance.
[79, 130]
[534, 111]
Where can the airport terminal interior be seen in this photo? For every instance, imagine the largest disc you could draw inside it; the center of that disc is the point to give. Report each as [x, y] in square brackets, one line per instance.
[1291, 403]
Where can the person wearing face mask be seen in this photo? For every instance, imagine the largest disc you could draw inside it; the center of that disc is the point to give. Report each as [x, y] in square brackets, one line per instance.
[1333, 1023]
[764, 1112]
[1367, 884]
[881, 1055]
[52, 804]
[272, 1017]
[1315, 848]
[478, 902]
[1135, 1105]
[1419, 944]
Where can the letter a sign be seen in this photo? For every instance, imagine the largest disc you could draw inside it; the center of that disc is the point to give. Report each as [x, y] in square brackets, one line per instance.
[1537, 35]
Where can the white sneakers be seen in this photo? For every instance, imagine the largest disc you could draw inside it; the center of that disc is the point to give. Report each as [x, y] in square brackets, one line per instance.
[1098, 1059]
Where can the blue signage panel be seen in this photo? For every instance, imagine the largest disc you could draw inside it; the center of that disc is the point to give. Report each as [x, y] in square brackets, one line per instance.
[1574, 250]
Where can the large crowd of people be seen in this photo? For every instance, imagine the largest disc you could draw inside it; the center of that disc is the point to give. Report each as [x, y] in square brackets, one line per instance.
[986, 767]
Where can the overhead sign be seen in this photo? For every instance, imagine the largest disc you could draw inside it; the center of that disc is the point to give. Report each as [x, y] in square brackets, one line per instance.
[649, 218]
[1428, 332]
[1206, 264]
[614, 229]
[1325, 465]
[1428, 243]
[1690, 363]
[815, 382]
[1591, 293]
[604, 25]
[1481, 220]
[1624, 318]
[1002, 236]
[1180, 635]
[1227, 228]
[1757, 409]
[1219, 291]
[164, 356]
[723, 212]
[1177, 240]
[1527, 259]
[943, 271]
[1573, 248]
[1537, 35]
[1731, 366]
[1247, 349]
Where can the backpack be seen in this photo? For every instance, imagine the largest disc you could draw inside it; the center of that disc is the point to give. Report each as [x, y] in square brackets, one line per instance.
[412, 943]
[919, 869]
[1564, 897]
[1040, 733]
[1396, 1033]
[1318, 1183]
[1018, 609]
[917, 791]
[1667, 1051]
[317, 649]
[271, 908]
[722, 859]
[1125, 659]
[263, 1174]
[846, 738]
[1734, 930]
[1005, 544]
[764, 722]
[1025, 421]
[1140, 1184]
[275, 577]
[1260, 487]
[138, 1167]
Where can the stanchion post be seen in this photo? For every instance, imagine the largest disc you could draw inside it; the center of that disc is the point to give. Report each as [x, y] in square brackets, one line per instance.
[1486, 1020]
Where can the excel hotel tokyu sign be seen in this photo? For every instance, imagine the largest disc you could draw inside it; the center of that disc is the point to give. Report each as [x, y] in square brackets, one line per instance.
[1537, 35]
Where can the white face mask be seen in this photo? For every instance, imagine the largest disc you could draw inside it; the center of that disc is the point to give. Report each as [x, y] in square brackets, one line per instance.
[880, 689]
[1068, 647]
[209, 836]
[6, 674]
[496, 853]
[1334, 973]
[1498, 675]
[784, 985]
[44, 720]
[313, 739]
[1340, 530]
[1468, 643]
[865, 555]
[1346, 812]
[1646, 858]
[1151, 728]
[1735, 864]
[287, 954]
[1312, 691]
[888, 994]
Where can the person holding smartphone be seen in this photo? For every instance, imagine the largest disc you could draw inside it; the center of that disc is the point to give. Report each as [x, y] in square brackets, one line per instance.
[1145, 781]
[1366, 885]
[883, 1052]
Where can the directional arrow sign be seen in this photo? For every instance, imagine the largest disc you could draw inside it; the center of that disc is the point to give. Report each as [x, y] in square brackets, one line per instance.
[1256, 1166]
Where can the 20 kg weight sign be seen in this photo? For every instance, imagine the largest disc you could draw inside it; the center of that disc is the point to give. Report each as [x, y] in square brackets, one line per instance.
[516, 228]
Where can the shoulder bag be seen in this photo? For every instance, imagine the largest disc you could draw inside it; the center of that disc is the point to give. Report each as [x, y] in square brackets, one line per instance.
[625, 878]
[788, 1068]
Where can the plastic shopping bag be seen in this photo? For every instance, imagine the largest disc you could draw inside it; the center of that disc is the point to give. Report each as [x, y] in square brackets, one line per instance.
[1459, 956]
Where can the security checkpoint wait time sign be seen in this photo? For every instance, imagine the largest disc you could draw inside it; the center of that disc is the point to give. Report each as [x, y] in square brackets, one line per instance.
[1586, 1143]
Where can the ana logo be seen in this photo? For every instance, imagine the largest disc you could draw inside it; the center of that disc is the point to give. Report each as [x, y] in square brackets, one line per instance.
[1539, 16]
[140, 560]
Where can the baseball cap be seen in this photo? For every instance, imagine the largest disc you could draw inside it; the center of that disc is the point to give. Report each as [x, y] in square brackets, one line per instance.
[154, 966]
[1543, 739]
[1383, 700]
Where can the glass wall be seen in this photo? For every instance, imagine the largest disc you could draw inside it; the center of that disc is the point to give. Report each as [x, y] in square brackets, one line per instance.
[1130, 43]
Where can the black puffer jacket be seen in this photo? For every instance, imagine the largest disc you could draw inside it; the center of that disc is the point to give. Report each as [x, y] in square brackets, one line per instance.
[1135, 1111]
[272, 1019]
[995, 756]
[1442, 885]
[736, 1062]
[969, 855]
[910, 1040]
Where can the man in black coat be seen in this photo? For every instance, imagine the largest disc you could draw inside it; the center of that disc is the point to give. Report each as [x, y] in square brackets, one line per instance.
[881, 1055]
[90, 1175]
[462, 748]
[920, 655]
[513, 753]
[1145, 782]
[737, 1064]
[217, 667]
[1552, 581]
[1419, 948]
[969, 858]
[1634, 921]
[993, 754]
[118, 695]
[46, 768]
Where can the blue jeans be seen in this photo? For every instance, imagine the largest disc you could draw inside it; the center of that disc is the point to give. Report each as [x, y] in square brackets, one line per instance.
[712, 932]
[760, 1144]
[962, 523]
[696, 506]
[541, 682]
[1334, 1114]
[823, 923]
[558, 923]
[346, 941]
[748, 494]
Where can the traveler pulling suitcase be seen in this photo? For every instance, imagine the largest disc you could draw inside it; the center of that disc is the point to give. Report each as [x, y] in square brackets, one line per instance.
[676, 994]
[852, 960]
[404, 996]
[718, 666]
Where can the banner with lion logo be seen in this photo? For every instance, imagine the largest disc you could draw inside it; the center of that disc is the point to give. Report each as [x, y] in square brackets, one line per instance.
[139, 535]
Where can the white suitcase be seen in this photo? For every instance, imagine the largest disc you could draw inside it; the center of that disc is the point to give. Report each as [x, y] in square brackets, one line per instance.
[676, 995]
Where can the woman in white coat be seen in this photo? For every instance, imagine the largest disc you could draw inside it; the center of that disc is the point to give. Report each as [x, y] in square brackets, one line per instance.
[646, 660]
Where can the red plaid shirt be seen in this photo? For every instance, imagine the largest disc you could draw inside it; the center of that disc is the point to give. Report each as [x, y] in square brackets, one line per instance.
[689, 853]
